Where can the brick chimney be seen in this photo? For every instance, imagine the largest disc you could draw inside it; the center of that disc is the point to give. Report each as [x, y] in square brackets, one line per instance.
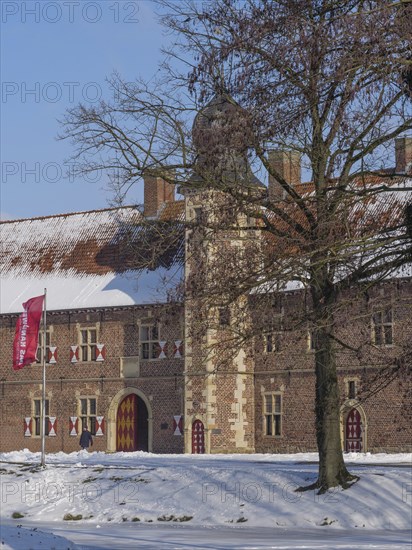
[288, 165]
[157, 192]
[403, 155]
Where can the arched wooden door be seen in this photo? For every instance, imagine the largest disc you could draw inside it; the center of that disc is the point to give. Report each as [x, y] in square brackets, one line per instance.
[198, 437]
[132, 424]
[353, 432]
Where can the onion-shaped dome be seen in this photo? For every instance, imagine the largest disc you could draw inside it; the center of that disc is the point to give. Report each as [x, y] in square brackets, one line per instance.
[221, 137]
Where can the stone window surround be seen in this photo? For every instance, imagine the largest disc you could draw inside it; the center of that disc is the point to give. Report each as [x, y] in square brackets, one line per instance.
[90, 418]
[382, 325]
[275, 426]
[39, 351]
[91, 347]
[36, 416]
[149, 347]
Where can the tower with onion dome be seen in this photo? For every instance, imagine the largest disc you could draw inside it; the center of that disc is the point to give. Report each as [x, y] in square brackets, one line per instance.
[219, 394]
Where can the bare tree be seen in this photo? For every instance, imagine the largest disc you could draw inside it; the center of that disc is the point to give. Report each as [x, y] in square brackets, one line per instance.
[324, 80]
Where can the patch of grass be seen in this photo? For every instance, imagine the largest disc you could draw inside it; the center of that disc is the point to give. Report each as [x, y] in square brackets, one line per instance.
[32, 469]
[17, 515]
[89, 479]
[124, 518]
[239, 520]
[327, 521]
[166, 518]
[116, 478]
[71, 517]
[99, 469]
[183, 518]
[141, 480]
[136, 519]
[180, 519]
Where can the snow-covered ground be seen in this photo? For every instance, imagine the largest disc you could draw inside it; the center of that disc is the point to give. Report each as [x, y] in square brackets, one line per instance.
[126, 500]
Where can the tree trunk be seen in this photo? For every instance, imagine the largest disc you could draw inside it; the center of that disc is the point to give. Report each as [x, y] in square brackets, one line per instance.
[332, 469]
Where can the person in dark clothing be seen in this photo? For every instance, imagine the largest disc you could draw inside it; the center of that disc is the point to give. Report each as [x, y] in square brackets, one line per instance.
[86, 439]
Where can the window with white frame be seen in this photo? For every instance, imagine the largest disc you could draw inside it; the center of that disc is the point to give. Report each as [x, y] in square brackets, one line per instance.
[39, 353]
[37, 414]
[272, 414]
[272, 336]
[271, 342]
[149, 341]
[88, 412]
[88, 344]
[311, 339]
[382, 327]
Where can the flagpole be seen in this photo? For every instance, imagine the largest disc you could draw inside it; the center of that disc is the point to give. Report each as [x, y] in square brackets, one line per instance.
[43, 414]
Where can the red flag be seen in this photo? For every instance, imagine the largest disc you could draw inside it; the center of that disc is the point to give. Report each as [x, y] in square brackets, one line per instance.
[27, 333]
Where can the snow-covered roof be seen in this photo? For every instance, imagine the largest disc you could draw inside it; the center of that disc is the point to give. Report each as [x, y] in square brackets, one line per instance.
[370, 226]
[86, 260]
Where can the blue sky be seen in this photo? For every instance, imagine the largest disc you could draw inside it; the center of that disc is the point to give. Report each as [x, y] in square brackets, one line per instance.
[53, 55]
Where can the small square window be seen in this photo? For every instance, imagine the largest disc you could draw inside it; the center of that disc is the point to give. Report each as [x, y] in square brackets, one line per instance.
[271, 342]
[351, 389]
[311, 339]
[224, 316]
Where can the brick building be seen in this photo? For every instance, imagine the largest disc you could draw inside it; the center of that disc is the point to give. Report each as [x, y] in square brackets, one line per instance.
[114, 335]
[129, 355]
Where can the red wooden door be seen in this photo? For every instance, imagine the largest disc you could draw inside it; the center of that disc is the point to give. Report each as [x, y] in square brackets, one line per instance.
[353, 443]
[198, 438]
[126, 424]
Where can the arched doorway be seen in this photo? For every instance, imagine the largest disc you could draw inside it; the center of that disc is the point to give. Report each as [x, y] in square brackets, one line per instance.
[145, 425]
[132, 424]
[353, 432]
[198, 437]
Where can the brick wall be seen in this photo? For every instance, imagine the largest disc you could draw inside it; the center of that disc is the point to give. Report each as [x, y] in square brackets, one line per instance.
[381, 373]
[159, 380]
[228, 400]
